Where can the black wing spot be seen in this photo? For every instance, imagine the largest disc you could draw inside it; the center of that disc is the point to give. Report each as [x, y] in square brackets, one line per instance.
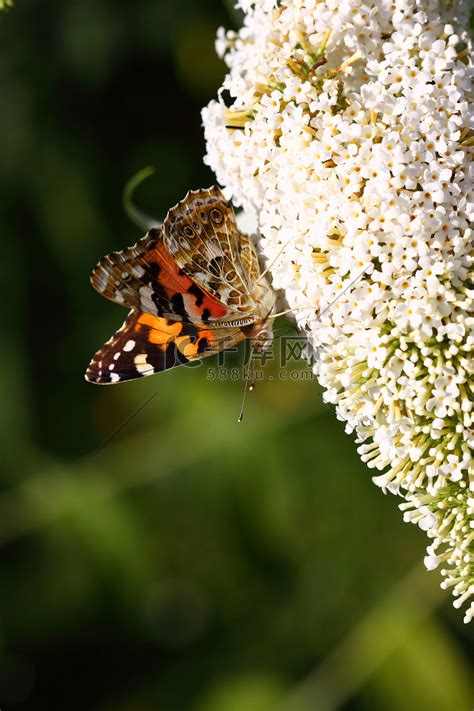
[203, 345]
[178, 304]
[215, 266]
[173, 357]
[197, 292]
[154, 270]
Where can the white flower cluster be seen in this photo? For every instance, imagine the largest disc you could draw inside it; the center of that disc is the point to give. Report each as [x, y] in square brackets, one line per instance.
[350, 138]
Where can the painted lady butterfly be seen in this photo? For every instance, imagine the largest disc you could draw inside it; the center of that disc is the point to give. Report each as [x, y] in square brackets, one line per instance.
[194, 287]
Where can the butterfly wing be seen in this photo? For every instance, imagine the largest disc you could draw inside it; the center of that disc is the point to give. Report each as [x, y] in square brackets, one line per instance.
[146, 278]
[192, 287]
[147, 344]
[201, 235]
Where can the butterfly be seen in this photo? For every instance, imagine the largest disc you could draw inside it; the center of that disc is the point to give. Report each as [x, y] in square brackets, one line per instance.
[193, 287]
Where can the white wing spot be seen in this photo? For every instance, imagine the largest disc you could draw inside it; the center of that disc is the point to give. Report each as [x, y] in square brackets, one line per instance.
[129, 346]
[101, 284]
[173, 245]
[214, 250]
[138, 271]
[114, 378]
[146, 300]
[141, 364]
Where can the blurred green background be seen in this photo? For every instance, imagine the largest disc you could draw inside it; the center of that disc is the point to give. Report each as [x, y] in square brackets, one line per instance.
[190, 563]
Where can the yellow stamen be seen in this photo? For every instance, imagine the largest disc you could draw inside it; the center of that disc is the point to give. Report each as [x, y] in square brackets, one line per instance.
[345, 65]
[237, 119]
[325, 40]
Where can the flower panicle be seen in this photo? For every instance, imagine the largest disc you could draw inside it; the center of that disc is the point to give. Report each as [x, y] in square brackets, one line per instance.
[357, 149]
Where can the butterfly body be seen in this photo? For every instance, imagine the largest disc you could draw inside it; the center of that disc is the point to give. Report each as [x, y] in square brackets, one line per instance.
[193, 287]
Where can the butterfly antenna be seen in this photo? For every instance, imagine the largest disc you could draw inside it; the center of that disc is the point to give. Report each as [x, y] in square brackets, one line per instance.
[288, 311]
[272, 263]
[249, 385]
[138, 217]
[329, 306]
[349, 286]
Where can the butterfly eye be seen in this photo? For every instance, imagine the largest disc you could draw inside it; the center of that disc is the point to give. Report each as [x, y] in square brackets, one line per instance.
[216, 216]
[188, 232]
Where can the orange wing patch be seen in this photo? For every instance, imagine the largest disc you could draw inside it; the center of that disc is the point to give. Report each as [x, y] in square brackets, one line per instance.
[161, 331]
[170, 277]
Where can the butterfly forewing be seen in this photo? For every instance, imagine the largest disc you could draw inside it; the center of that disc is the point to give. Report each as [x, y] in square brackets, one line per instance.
[147, 344]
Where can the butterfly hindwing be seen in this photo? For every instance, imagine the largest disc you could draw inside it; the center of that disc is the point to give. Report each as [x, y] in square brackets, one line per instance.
[146, 278]
[147, 344]
[201, 235]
